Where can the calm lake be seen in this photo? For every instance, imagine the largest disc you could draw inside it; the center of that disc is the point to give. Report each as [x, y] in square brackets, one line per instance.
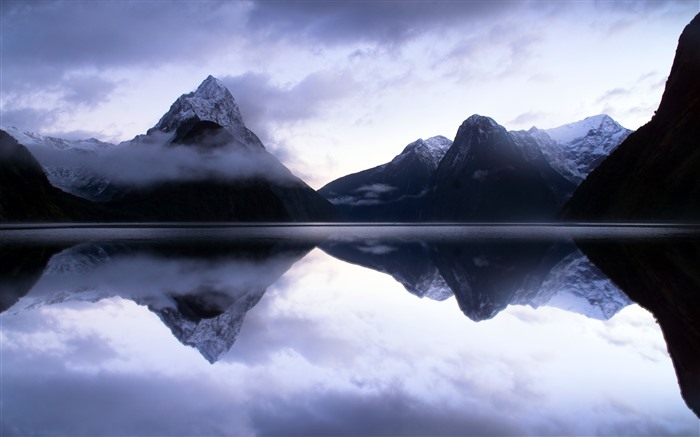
[329, 330]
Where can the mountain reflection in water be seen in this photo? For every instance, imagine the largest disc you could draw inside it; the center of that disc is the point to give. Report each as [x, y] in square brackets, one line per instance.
[202, 286]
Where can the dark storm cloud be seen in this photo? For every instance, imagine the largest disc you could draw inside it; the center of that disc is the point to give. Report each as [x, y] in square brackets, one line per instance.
[392, 412]
[73, 402]
[112, 34]
[47, 45]
[384, 22]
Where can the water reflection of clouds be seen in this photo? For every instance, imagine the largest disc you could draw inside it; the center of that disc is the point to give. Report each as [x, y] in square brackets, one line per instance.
[337, 349]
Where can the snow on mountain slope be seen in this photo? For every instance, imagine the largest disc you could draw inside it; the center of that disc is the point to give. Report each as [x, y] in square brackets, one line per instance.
[212, 101]
[33, 140]
[430, 151]
[577, 148]
[61, 158]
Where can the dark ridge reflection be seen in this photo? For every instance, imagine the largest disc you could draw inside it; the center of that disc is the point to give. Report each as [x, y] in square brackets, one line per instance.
[486, 276]
[664, 278]
[201, 282]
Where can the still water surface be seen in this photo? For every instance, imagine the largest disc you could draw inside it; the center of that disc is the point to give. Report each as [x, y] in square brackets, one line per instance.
[318, 330]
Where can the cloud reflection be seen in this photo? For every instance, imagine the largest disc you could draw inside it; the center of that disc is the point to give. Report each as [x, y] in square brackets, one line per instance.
[329, 349]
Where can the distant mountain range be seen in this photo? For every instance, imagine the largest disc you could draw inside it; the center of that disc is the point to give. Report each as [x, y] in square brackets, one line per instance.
[486, 174]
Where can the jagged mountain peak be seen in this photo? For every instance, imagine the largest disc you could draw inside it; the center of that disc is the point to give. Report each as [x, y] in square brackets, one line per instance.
[211, 88]
[479, 121]
[436, 142]
[475, 130]
[601, 123]
[577, 148]
[475, 135]
[432, 150]
[211, 101]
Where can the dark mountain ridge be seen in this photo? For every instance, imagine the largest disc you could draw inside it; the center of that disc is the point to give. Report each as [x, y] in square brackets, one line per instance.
[27, 195]
[395, 191]
[537, 169]
[485, 176]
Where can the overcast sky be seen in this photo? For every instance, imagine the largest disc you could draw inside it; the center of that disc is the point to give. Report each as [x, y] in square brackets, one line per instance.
[333, 87]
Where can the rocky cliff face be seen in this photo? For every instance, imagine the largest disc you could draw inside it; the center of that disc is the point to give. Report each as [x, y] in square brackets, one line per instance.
[485, 176]
[652, 175]
[27, 195]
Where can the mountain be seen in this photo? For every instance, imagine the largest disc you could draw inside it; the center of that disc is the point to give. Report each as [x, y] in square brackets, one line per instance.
[256, 187]
[487, 173]
[206, 165]
[63, 162]
[653, 174]
[583, 145]
[27, 195]
[211, 102]
[486, 176]
[575, 149]
[395, 191]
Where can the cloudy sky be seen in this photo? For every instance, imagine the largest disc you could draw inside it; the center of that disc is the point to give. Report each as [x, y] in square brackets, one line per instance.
[333, 87]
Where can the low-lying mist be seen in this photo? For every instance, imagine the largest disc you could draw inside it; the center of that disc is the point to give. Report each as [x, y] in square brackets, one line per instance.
[155, 161]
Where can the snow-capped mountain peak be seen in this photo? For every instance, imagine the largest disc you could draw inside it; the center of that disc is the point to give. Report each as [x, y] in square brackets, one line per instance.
[431, 150]
[211, 101]
[575, 149]
[579, 129]
[212, 89]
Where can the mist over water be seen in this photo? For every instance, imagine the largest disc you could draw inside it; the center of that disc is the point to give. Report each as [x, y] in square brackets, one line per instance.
[269, 329]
